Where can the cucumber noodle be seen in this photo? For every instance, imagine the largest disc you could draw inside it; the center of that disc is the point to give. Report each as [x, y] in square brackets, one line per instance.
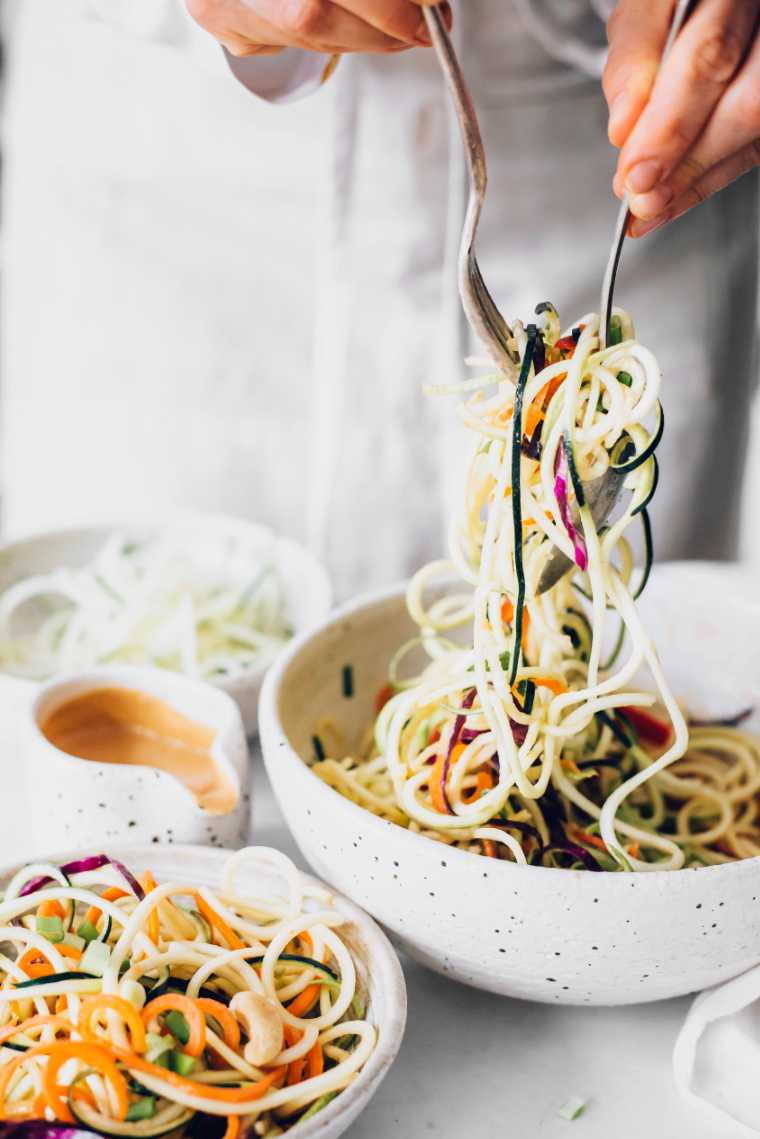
[205, 602]
[142, 1023]
[491, 746]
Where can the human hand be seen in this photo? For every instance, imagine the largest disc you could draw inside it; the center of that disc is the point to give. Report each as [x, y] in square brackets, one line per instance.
[691, 127]
[265, 27]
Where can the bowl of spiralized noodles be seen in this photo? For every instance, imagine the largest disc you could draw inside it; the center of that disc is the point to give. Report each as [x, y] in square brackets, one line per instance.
[163, 990]
[544, 929]
[514, 780]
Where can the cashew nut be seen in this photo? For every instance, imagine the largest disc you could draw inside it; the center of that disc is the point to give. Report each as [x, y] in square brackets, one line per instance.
[259, 1017]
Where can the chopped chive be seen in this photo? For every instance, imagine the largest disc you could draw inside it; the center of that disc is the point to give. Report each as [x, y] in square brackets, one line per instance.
[177, 1025]
[318, 747]
[50, 928]
[572, 1109]
[144, 1108]
[87, 931]
[616, 331]
[348, 680]
[181, 1063]
[625, 378]
[504, 660]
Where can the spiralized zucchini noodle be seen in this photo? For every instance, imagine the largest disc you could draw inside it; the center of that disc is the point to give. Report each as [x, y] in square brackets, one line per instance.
[137, 1009]
[205, 601]
[526, 743]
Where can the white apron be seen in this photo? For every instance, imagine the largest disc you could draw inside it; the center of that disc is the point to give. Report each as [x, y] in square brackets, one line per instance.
[214, 303]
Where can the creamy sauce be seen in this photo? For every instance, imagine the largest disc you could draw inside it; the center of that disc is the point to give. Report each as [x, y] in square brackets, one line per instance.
[122, 725]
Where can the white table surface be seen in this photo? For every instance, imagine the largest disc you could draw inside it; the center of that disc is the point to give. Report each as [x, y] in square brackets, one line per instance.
[474, 1066]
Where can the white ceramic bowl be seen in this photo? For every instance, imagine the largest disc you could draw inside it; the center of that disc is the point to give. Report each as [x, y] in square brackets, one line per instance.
[305, 583]
[544, 934]
[93, 803]
[379, 974]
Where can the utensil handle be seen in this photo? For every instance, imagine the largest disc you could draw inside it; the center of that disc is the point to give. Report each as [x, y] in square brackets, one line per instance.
[465, 109]
[683, 9]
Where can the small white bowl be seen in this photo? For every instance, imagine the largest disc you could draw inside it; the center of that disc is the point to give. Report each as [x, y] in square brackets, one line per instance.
[543, 934]
[377, 966]
[93, 802]
[306, 587]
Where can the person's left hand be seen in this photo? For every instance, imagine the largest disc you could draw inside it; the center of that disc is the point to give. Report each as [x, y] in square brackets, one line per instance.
[693, 127]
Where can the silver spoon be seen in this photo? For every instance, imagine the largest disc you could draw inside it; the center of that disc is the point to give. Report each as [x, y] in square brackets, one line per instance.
[603, 492]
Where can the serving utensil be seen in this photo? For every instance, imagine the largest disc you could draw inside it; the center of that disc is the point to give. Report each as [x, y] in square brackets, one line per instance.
[682, 9]
[480, 309]
[603, 492]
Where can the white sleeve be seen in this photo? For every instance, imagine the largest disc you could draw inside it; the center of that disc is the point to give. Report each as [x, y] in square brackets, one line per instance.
[280, 78]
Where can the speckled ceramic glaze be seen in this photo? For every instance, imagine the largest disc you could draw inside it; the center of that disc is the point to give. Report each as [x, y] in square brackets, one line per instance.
[379, 976]
[531, 932]
[305, 583]
[89, 803]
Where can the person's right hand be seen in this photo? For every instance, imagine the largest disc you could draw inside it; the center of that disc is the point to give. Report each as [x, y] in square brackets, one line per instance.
[265, 27]
[692, 126]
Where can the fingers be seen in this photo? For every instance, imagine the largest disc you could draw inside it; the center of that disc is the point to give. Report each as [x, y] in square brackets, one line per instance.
[733, 127]
[704, 59]
[637, 31]
[710, 183]
[244, 26]
[400, 19]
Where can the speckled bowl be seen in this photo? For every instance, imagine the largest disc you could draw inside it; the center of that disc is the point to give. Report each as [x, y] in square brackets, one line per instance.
[379, 975]
[306, 587]
[91, 803]
[531, 932]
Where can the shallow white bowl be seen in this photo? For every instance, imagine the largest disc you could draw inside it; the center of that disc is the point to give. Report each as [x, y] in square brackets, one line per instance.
[379, 974]
[550, 935]
[305, 583]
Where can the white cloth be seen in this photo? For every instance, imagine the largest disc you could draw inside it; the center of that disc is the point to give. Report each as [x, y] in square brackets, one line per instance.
[291, 74]
[716, 1059]
[214, 303]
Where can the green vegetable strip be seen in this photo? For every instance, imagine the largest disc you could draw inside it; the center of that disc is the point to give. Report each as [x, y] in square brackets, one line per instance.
[648, 551]
[317, 1106]
[319, 750]
[53, 979]
[573, 471]
[310, 961]
[517, 498]
[615, 653]
[625, 468]
[655, 479]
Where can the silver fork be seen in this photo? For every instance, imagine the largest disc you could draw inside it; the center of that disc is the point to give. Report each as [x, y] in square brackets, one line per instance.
[480, 309]
[485, 319]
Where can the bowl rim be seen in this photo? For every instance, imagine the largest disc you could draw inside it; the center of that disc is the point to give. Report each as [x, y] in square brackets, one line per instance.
[381, 957]
[271, 728]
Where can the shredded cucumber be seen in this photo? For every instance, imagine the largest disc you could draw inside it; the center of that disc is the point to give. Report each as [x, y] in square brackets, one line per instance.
[205, 602]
